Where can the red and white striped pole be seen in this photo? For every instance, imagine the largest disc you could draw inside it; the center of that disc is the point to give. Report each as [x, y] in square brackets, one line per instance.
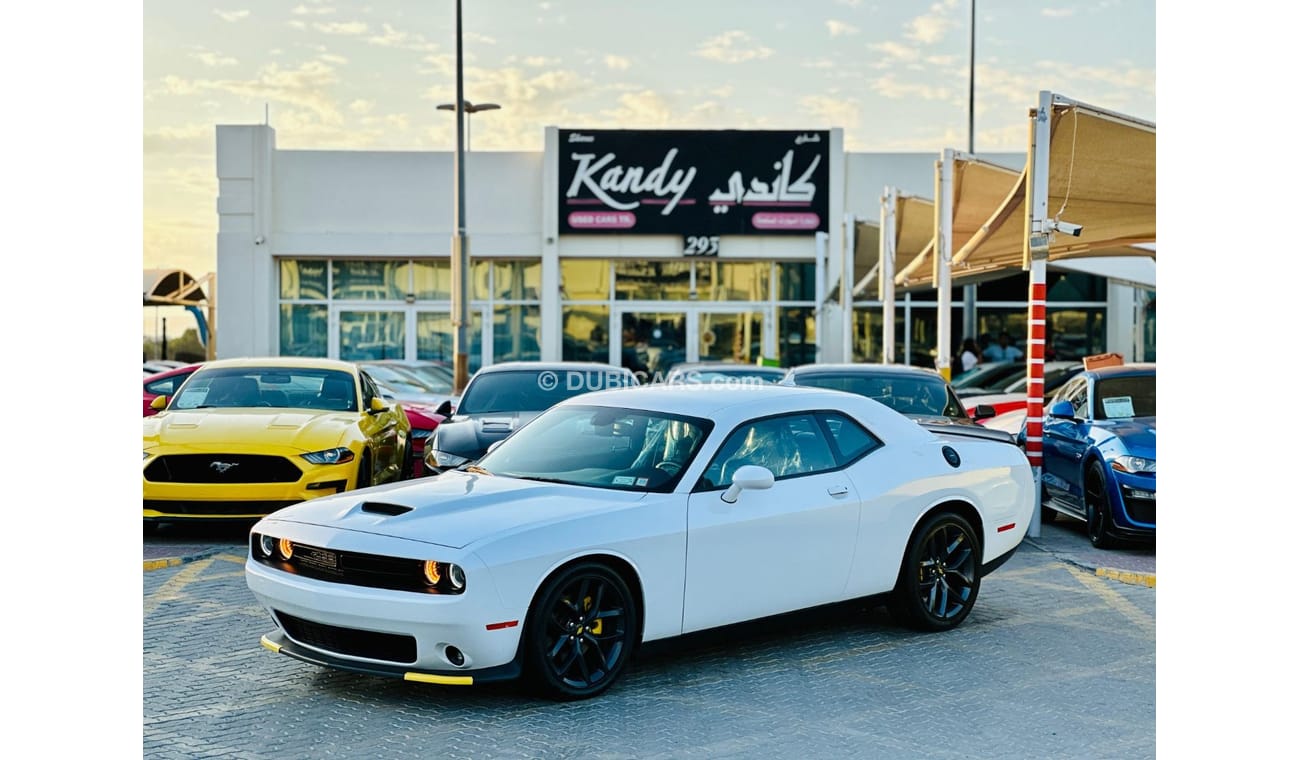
[1036, 249]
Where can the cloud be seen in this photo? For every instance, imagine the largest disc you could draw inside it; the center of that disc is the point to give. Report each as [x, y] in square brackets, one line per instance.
[346, 28]
[540, 61]
[361, 106]
[732, 47]
[931, 27]
[192, 139]
[231, 16]
[396, 38]
[888, 86]
[895, 51]
[617, 63]
[306, 86]
[332, 58]
[840, 28]
[850, 3]
[832, 112]
[480, 38]
[303, 10]
[1058, 12]
[209, 58]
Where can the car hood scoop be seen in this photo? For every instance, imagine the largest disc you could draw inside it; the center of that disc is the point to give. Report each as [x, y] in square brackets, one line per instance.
[454, 509]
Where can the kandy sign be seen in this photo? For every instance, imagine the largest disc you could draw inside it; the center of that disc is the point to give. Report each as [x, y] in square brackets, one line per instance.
[678, 182]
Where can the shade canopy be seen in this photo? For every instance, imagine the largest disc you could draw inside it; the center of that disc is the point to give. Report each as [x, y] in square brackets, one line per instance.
[172, 287]
[1101, 177]
[914, 222]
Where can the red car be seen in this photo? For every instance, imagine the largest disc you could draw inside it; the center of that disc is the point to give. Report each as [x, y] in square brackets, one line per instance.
[1012, 396]
[165, 384]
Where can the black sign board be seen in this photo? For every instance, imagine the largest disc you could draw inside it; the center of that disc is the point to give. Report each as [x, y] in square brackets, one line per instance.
[693, 183]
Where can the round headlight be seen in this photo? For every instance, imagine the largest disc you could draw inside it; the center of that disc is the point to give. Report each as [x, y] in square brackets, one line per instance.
[432, 573]
[286, 548]
[457, 577]
[266, 544]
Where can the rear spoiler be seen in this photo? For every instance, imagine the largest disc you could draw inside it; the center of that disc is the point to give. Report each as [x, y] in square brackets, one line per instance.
[949, 428]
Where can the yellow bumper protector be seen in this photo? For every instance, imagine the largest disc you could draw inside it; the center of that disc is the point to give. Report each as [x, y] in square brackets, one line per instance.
[444, 680]
[271, 645]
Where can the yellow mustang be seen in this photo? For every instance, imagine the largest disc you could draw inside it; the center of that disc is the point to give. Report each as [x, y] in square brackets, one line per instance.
[245, 437]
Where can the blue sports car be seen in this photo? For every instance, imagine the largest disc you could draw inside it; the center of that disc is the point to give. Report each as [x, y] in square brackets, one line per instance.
[1099, 453]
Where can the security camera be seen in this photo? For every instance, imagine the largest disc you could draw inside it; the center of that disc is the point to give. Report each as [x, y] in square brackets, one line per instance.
[1067, 228]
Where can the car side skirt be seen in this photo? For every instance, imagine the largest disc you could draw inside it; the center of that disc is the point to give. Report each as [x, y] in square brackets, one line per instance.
[277, 642]
[997, 562]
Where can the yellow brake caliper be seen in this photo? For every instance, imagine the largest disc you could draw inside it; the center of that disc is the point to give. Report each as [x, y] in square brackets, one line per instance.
[595, 628]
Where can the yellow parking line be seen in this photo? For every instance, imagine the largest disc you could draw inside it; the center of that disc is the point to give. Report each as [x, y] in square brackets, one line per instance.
[1116, 602]
[1126, 576]
[175, 585]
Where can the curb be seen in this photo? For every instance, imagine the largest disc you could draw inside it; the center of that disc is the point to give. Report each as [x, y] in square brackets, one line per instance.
[158, 564]
[1126, 576]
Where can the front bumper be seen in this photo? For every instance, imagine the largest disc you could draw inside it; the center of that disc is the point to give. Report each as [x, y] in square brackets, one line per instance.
[1134, 495]
[184, 501]
[401, 632]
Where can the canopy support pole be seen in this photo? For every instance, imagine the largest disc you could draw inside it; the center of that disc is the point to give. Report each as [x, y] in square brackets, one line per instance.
[1037, 244]
[888, 248]
[848, 262]
[943, 193]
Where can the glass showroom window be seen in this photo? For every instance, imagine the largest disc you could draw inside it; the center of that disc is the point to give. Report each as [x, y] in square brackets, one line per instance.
[380, 302]
[304, 313]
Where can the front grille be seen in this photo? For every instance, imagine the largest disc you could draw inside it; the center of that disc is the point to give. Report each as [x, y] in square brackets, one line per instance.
[1141, 510]
[389, 647]
[355, 568]
[221, 468]
[215, 507]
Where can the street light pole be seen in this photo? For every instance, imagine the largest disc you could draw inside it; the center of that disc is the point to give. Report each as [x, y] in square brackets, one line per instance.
[459, 243]
[470, 109]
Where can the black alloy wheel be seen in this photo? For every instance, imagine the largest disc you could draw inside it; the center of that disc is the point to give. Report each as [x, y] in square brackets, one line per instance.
[581, 631]
[940, 579]
[1097, 502]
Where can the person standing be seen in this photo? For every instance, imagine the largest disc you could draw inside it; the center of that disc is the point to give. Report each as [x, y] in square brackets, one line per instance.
[970, 354]
[1004, 350]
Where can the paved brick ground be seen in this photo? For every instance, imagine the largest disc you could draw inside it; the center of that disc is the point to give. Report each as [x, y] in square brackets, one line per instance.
[1054, 662]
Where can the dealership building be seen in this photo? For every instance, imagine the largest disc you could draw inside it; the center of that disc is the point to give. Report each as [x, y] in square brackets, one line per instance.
[646, 246]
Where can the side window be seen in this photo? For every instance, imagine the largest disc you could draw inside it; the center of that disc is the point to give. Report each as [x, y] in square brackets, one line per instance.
[789, 446]
[849, 439]
[1079, 399]
[161, 387]
[368, 391]
[1067, 392]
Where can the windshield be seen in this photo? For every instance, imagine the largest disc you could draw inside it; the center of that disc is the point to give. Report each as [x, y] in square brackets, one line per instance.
[280, 387]
[535, 390]
[987, 375]
[912, 395]
[396, 379]
[601, 447]
[1125, 397]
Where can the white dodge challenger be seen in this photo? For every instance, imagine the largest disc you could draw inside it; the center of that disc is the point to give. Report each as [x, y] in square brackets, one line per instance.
[627, 516]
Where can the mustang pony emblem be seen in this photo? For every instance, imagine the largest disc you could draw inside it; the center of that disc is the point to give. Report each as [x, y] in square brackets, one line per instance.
[223, 467]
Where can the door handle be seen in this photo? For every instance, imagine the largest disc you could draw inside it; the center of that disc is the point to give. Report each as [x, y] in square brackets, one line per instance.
[837, 490]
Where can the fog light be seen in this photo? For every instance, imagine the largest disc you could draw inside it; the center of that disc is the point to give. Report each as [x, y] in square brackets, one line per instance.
[432, 573]
[286, 549]
[455, 656]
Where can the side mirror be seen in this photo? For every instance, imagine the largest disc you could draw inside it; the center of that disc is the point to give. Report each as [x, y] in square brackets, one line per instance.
[747, 477]
[158, 404]
[1061, 410]
[377, 405]
[445, 409]
[984, 411]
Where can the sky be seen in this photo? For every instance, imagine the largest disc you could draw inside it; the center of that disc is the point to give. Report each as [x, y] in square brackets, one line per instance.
[368, 75]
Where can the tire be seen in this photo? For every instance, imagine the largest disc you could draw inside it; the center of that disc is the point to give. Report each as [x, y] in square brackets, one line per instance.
[365, 473]
[564, 665]
[939, 580]
[408, 463]
[1098, 509]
